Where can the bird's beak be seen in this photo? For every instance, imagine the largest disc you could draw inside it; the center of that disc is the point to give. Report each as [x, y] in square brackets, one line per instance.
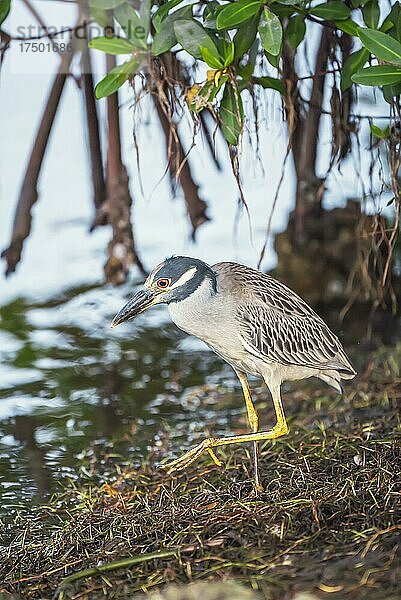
[140, 302]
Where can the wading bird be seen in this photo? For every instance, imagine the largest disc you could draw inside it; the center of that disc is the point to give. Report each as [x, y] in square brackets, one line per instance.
[253, 322]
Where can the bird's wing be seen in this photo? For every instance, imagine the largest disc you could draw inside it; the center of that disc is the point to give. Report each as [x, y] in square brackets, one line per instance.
[276, 325]
[253, 287]
[290, 339]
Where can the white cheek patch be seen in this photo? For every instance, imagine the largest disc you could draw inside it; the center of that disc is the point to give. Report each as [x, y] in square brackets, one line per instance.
[185, 277]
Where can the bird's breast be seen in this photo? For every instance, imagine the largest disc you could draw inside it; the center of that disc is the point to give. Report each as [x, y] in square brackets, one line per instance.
[203, 322]
[206, 316]
[213, 320]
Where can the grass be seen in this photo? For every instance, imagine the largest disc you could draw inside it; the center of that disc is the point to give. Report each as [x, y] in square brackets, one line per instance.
[329, 521]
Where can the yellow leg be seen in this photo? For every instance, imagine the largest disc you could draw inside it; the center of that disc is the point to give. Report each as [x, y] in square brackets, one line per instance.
[253, 420]
[214, 458]
[278, 430]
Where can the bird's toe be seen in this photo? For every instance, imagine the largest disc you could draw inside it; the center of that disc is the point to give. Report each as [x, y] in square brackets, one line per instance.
[189, 457]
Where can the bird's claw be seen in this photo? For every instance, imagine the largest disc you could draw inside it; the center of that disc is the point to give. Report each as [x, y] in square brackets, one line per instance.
[191, 456]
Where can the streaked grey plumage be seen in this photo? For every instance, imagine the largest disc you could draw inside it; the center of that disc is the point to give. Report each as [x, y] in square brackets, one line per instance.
[255, 323]
[260, 326]
[277, 326]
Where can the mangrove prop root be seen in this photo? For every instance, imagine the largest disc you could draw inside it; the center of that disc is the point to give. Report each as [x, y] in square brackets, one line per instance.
[92, 123]
[180, 168]
[29, 194]
[117, 207]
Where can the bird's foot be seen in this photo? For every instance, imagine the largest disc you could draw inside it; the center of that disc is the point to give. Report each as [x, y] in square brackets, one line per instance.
[189, 457]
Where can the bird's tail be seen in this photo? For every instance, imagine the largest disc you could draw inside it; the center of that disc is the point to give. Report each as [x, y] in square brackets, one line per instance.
[333, 377]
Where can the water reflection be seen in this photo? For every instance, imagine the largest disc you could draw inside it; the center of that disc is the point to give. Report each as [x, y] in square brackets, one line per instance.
[35, 455]
[69, 382]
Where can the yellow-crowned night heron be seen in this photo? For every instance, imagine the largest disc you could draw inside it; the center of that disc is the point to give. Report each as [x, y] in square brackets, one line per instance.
[255, 323]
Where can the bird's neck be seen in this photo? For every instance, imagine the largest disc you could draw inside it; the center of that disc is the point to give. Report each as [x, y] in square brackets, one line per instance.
[192, 313]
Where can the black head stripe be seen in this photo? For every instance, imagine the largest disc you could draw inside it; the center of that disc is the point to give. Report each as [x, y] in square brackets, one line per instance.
[176, 266]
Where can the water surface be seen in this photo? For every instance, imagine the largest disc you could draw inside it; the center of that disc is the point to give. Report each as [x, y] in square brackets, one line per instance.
[69, 383]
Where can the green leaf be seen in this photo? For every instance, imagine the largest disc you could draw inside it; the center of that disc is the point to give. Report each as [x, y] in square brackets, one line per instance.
[131, 24]
[246, 70]
[236, 13]
[117, 76]
[390, 91]
[212, 9]
[162, 12]
[4, 9]
[295, 30]
[281, 10]
[229, 54]
[371, 13]
[105, 4]
[392, 21]
[192, 37]
[382, 134]
[271, 32]
[354, 63]
[396, 89]
[291, 2]
[110, 84]
[101, 16]
[358, 3]
[231, 114]
[388, 26]
[209, 16]
[164, 39]
[271, 83]
[112, 45]
[378, 75]
[211, 59]
[380, 44]
[245, 37]
[273, 60]
[144, 15]
[348, 26]
[331, 11]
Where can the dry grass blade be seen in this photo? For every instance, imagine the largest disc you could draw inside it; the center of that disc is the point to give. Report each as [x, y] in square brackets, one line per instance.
[112, 566]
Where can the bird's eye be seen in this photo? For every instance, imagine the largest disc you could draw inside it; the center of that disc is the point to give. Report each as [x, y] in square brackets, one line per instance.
[163, 283]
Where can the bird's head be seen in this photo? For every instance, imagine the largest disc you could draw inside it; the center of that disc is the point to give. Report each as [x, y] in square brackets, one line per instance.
[173, 280]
